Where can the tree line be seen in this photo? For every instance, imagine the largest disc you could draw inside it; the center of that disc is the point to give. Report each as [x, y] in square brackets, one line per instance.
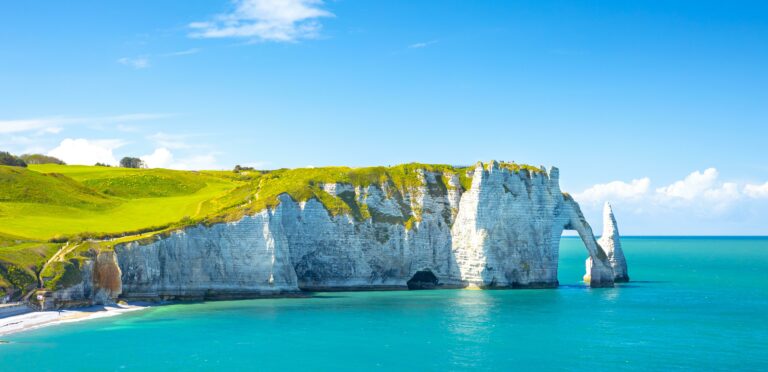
[9, 159]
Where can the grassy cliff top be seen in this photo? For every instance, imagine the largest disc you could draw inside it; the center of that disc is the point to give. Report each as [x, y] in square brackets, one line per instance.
[51, 201]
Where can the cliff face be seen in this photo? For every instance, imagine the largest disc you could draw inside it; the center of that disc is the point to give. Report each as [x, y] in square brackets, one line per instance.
[503, 232]
[248, 257]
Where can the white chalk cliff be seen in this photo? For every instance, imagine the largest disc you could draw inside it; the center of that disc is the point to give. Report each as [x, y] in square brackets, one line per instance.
[503, 232]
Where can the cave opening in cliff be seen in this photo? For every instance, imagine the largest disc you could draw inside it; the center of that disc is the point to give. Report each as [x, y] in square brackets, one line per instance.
[423, 279]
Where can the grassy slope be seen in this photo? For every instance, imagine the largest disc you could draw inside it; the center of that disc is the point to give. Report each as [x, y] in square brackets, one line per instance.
[57, 202]
[65, 200]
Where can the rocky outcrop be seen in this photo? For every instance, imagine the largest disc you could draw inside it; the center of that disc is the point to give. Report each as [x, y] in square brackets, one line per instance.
[502, 232]
[100, 283]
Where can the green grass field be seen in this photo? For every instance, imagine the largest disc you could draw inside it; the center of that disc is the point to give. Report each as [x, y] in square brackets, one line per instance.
[46, 201]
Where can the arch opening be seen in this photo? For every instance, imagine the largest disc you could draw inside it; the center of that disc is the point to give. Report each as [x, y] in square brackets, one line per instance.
[423, 279]
[571, 253]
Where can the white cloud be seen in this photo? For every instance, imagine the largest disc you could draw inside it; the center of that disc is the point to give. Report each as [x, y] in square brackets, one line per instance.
[164, 158]
[54, 124]
[266, 20]
[137, 63]
[615, 190]
[160, 158]
[702, 190]
[756, 191]
[727, 191]
[87, 152]
[695, 184]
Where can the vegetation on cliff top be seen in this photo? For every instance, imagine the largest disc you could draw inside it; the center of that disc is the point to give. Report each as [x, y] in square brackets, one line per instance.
[306, 183]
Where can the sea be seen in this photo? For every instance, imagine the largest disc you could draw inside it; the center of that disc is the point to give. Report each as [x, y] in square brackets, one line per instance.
[694, 303]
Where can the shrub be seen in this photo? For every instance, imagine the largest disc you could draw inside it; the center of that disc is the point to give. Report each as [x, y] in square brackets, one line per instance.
[129, 162]
[41, 159]
[19, 278]
[239, 168]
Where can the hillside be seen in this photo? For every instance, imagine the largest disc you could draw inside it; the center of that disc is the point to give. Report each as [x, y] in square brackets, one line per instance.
[53, 201]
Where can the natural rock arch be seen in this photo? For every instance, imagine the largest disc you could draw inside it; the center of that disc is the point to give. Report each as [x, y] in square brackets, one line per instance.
[599, 272]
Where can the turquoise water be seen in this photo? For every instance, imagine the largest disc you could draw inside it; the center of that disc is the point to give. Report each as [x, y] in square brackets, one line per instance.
[694, 303]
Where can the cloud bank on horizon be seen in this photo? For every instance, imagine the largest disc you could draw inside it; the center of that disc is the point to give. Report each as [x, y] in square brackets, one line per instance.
[701, 195]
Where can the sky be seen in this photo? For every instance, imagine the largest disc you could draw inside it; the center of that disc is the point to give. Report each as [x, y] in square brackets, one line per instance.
[659, 107]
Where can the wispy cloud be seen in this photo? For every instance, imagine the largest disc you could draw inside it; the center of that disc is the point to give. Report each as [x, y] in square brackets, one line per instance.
[183, 52]
[126, 128]
[422, 44]
[25, 144]
[55, 124]
[137, 63]
[171, 141]
[265, 20]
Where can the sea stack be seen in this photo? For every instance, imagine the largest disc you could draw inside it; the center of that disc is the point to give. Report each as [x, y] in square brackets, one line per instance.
[610, 242]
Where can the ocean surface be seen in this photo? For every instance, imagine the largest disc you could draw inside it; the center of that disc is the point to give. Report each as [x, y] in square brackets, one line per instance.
[694, 303]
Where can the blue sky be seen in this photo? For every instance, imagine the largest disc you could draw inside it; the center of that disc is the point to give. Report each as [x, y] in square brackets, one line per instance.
[609, 91]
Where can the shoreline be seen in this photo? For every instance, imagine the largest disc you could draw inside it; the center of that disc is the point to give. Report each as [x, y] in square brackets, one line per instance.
[39, 319]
